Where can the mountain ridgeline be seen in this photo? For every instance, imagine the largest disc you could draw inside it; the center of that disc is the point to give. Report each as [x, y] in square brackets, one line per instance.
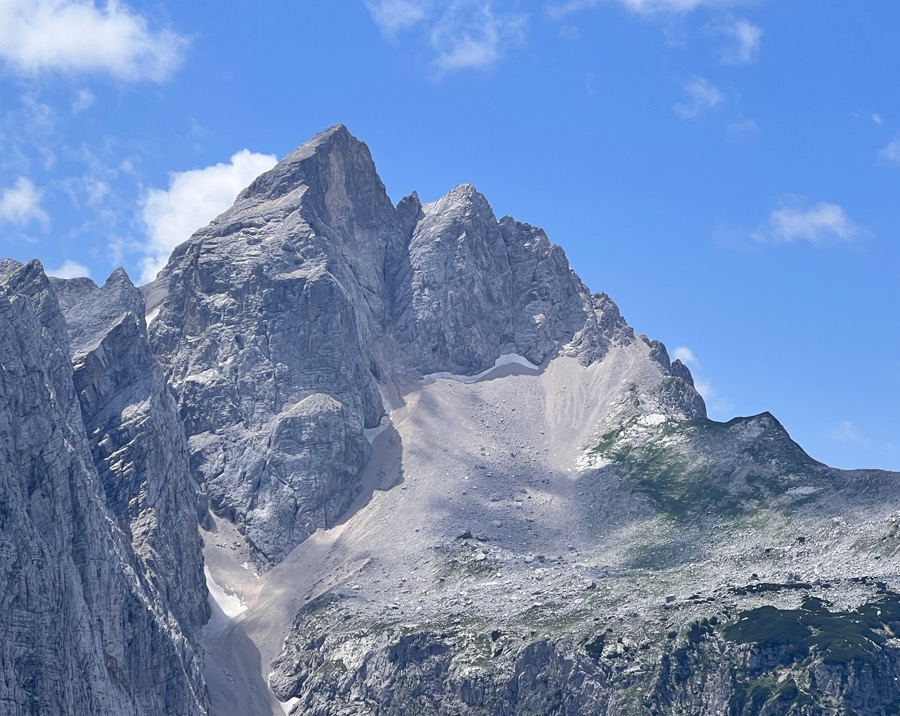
[425, 470]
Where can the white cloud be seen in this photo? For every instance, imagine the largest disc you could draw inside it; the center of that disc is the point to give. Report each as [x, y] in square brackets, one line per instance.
[79, 36]
[193, 199]
[641, 7]
[877, 119]
[747, 39]
[21, 204]
[463, 34]
[703, 97]
[394, 16]
[70, 269]
[685, 355]
[846, 432]
[816, 225]
[891, 153]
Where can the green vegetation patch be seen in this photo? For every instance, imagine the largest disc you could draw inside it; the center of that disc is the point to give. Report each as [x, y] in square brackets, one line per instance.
[836, 637]
[754, 697]
[678, 488]
[681, 466]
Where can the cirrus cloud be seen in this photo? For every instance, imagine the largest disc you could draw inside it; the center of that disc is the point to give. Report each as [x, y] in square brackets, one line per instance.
[462, 34]
[703, 96]
[746, 40]
[641, 7]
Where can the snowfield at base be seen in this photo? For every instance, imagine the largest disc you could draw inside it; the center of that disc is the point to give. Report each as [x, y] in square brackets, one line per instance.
[230, 605]
[505, 359]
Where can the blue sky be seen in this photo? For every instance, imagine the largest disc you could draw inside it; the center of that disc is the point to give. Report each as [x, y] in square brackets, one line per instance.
[727, 171]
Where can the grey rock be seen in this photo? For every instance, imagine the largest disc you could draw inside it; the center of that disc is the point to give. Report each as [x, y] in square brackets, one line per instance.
[137, 440]
[314, 284]
[82, 632]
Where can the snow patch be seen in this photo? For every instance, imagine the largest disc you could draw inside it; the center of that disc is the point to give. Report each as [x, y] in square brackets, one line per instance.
[505, 359]
[652, 419]
[286, 706]
[372, 433]
[802, 490]
[225, 606]
[152, 315]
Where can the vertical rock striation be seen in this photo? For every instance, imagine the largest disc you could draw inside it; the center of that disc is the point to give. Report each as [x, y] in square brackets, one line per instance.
[83, 629]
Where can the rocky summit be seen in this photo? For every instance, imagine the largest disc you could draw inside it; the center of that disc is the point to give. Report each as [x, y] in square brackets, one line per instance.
[349, 457]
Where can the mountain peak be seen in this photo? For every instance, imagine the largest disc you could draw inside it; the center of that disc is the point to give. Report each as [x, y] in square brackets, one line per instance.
[315, 165]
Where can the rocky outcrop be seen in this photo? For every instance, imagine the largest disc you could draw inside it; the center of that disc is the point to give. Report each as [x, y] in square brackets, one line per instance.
[809, 660]
[83, 630]
[136, 439]
[314, 296]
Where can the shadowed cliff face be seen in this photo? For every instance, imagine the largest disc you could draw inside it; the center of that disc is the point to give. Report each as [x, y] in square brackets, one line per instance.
[87, 624]
[314, 284]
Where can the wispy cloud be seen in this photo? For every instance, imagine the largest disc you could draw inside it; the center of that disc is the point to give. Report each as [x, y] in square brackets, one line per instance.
[816, 225]
[742, 128]
[716, 404]
[192, 200]
[685, 355]
[70, 269]
[891, 152]
[393, 16]
[463, 34]
[470, 35]
[570, 33]
[78, 36]
[560, 10]
[746, 40]
[20, 204]
[846, 432]
[83, 99]
[703, 96]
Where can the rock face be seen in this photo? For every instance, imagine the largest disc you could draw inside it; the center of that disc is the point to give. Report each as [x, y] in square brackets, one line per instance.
[137, 441]
[297, 309]
[519, 505]
[87, 627]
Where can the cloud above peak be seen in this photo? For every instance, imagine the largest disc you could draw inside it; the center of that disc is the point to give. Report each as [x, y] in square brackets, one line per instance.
[80, 36]
[70, 269]
[193, 199]
[462, 34]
